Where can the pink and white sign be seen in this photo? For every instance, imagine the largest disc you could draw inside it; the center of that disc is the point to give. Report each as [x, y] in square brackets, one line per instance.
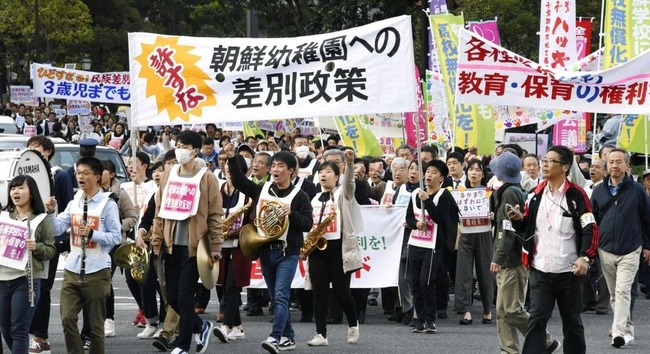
[413, 135]
[571, 133]
[180, 200]
[13, 246]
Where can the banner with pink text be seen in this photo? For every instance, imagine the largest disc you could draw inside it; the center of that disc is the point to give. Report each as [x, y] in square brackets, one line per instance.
[490, 74]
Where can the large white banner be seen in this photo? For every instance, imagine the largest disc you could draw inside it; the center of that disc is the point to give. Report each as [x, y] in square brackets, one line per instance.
[367, 69]
[112, 87]
[381, 246]
[490, 74]
[557, 33]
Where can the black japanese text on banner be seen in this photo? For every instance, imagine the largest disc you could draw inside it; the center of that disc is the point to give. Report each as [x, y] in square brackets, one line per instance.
[490, 74]
[367, 69]
[54, 82]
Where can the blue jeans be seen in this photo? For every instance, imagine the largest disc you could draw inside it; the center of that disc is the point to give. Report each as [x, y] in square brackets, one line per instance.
[14, 304]
[278, 271]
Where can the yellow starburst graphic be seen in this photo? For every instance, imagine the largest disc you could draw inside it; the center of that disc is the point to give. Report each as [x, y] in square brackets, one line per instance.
[173, 77]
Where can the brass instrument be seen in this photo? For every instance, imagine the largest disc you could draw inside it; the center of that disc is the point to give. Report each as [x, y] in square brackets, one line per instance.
[315, 238]
[230, 220]
[272, 221]
[84, 222]
[130, 256]
[207, 266]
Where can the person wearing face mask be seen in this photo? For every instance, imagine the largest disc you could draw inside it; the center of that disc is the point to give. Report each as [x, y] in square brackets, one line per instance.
[308, 166]
[182, 220]
[248, 155]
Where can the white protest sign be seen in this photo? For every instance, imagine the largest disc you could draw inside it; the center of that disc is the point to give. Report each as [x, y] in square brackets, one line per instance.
[472, 203]
[380, 244]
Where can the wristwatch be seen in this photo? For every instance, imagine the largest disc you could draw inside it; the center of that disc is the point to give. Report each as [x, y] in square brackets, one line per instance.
[587, 260]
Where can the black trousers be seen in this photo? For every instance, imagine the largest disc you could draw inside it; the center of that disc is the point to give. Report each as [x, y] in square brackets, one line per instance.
[545, 290]
[181, 276]
[148, 289]
[232, 294]
[326, 267]
[423, 266]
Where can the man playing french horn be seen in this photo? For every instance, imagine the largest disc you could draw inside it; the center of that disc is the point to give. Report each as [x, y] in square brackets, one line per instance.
[337, 219]
[283, 212]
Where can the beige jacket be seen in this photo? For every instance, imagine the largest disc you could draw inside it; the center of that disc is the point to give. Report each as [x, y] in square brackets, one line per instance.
[207, 220]
[351, 221]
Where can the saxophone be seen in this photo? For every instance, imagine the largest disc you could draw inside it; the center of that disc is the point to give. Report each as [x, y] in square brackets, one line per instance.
[230, 220]
[315, 238]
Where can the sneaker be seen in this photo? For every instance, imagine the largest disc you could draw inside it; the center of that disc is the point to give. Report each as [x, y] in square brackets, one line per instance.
[554, 347]
[158, 332]
[287, 344]
[161, 343]
[221, 332]
[628, 339]
[140, 321]
[179, 351]
[203, 338]
[236, 333]
[109, 328]
[419, 327]
[618, 342]
[271, 345]
[430, 327]
[318, 341]
[39, 346]
[353, 334]
[86, 342]
[148, 332]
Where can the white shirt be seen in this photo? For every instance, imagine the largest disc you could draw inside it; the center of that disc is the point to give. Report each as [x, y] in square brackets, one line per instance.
[555, 250]
[461, 180]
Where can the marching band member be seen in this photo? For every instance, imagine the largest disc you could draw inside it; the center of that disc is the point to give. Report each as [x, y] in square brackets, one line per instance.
[138, 190]
[429, 239]
[94, 216]
[235, 269]
[20, 286]
[182, 219]
[279, 258]
[63, 193]
[342, 256]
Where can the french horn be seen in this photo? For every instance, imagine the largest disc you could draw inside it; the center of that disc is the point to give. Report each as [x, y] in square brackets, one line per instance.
[130, 256]
[272, 221]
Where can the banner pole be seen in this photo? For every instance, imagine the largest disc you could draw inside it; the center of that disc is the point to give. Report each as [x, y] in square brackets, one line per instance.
[600, 45]
[645, 136]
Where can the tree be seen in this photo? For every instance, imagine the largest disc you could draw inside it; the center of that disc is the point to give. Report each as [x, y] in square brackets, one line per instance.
[63, 34]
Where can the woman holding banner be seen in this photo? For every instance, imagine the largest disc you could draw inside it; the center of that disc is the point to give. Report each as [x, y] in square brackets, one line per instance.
[342, 256]
[474, 252]
[20, 287]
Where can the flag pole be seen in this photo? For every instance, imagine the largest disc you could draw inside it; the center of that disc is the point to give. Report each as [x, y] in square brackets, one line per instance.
[601, 54]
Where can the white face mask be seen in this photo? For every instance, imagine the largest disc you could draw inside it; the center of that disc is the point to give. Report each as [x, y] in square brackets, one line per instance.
[302, 151]
[249, 161]
[183, 156]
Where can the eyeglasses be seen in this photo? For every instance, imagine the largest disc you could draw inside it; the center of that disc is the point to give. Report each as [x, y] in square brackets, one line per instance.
[548, 161]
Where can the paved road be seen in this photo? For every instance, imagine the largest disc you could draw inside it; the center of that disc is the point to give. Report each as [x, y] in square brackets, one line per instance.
[377, 334]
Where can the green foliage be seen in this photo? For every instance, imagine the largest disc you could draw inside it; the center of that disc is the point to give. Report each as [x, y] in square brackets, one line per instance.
[64, 33]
